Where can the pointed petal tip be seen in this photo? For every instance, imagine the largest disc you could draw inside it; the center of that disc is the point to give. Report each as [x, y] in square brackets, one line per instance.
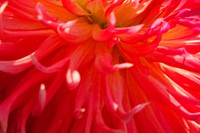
[41, 102]
[3, 7]
[42, 96]
[127, 116]
[140, 107]
[122, 66]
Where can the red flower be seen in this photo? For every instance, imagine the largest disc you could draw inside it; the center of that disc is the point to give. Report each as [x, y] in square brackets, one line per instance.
[99, 66]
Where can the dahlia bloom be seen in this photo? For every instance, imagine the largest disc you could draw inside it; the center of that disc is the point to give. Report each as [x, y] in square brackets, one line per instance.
[99, 66]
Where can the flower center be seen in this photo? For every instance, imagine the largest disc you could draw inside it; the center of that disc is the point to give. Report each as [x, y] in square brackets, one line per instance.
[96, 11]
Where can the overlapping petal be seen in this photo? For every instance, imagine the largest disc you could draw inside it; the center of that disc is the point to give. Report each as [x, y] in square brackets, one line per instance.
[99, 66]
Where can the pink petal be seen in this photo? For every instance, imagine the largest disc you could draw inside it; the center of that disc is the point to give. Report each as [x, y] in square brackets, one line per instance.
[51, 69]
[99, 34]
[41, 101]
[75, 31]
[16, 66]
[73, 78]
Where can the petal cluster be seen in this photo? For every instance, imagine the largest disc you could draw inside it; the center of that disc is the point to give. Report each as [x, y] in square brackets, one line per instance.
[99, 66]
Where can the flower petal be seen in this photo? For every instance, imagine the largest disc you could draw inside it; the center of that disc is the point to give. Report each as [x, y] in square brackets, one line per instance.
[75, 31]
[73, 78]
[99, 34]
[41, 101]
[74, 7]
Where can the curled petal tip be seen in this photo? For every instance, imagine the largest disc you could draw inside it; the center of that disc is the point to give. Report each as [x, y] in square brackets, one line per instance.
[73, 79]
[40, 11]
[115, 106]
[51, 69]
[75, 31]
[44, 17]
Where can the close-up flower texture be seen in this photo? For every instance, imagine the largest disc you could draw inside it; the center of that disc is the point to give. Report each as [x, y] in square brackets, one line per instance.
[99, 66]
